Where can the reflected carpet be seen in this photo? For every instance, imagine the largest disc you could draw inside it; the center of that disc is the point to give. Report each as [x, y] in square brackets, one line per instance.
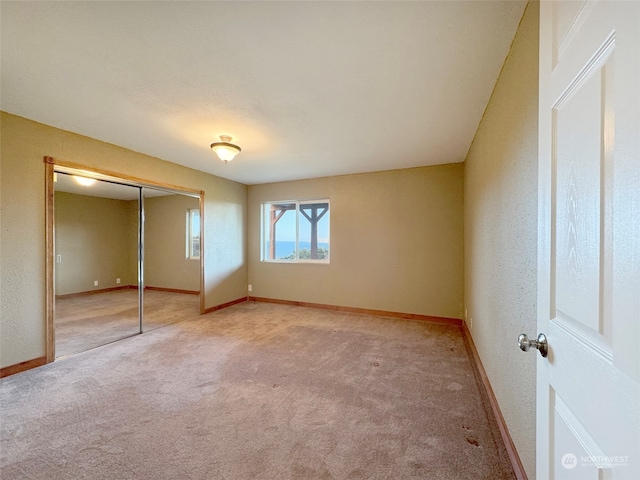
[83, 322]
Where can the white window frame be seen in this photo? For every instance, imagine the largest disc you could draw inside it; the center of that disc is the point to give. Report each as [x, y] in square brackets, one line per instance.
[190, 234]
[264, 231]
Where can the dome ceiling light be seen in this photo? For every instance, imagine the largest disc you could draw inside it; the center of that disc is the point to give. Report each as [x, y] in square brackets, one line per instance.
[224, 149]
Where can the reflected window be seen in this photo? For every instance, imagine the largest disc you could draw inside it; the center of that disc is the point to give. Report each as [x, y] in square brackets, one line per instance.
[193, 234]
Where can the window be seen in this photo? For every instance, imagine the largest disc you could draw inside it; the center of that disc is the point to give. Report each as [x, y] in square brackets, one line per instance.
[193, 233]
[296, 231]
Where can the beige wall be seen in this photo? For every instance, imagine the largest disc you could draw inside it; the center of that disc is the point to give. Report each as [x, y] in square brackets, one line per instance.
[396, 242]
[93, 238]
[22, 253]
[165, 262]
[501, 236]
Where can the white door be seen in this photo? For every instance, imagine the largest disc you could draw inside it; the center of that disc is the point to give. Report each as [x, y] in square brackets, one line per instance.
[588, 394]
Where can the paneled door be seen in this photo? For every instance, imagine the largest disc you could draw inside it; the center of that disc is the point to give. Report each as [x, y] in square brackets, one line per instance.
[588, 394]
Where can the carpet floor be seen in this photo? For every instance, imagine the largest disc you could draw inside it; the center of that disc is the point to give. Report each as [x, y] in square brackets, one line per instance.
[258, 391]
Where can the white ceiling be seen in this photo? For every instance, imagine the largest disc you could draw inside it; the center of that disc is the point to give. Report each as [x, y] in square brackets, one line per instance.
[307, 89]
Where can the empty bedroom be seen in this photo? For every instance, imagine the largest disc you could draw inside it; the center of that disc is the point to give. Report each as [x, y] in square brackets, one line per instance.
[319, 240]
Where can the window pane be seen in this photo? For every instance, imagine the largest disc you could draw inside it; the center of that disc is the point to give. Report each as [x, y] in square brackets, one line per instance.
[314, 231]
[280, 231]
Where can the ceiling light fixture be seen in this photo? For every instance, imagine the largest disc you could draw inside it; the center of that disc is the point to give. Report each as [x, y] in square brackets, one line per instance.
[84, 181]
[225, 150]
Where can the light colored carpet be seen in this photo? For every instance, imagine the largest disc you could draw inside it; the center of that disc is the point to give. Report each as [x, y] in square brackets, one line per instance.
[88, 321]
[257, 391]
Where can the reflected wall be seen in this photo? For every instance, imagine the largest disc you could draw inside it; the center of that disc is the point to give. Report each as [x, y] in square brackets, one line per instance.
[96, 281]
[167, 263]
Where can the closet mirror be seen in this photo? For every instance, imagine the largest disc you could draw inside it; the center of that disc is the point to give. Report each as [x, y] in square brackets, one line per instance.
[171, 257]
[124, 256]
[96, 262]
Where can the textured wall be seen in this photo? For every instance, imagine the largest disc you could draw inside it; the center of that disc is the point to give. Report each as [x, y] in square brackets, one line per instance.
[396, 242]
[93, 238]
[165, 226]
[22, 250]
[501, 235]
[22, 274]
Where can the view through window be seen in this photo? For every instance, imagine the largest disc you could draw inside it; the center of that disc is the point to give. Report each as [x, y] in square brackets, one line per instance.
[296, 231]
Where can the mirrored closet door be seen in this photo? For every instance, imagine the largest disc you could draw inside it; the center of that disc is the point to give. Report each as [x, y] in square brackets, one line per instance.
[97, 299]
[124, 256]
[171, 257]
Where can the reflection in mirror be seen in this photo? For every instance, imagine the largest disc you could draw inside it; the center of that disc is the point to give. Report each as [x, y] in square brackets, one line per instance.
[171, 258]
[96, 263]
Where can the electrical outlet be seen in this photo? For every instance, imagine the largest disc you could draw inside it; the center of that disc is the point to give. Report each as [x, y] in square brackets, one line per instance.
[250, 288]
[466, 314]
[95, 283]
[118, 281]
[471, 323]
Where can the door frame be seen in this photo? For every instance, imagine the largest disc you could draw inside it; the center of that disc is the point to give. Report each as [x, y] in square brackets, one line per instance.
[51, 165]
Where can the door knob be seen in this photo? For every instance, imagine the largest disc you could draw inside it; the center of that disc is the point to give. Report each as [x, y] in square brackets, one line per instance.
[540, 343]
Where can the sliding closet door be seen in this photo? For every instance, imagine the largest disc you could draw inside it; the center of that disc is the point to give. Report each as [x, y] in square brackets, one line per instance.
[96, 263]
[171, 257]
